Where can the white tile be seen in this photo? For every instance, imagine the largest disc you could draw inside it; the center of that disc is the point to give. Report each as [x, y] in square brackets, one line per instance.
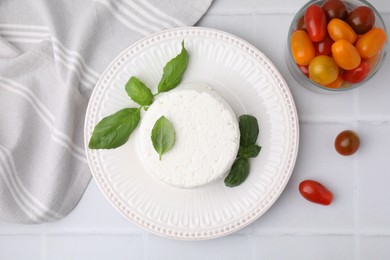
[317, 160]
[304, 247]
[374, 96]
[96, 247]
[377, 248]
[94, 213]
[239, 25]
[374, 177]
[228, 248]
[21, 247]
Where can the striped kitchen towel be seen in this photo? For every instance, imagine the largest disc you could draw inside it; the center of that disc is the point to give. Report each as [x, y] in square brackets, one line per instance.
[51, 56]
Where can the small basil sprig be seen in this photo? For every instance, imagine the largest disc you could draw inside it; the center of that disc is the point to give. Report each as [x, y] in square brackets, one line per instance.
[238, 173]
[163, 136]
[249, 131]
[250, 151]
[114, 130]
[139, 92]
[174, 71]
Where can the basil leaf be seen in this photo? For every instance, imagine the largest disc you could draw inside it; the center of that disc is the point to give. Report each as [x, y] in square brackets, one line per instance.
[114, 130]
[249, 130]
[163, 136]
[238, 173]
[138, 92]
[174, 71]
[250, 151]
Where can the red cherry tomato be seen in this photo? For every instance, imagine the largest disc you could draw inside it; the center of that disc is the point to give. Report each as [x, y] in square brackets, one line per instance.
[301, 24]
[315, 21]
[324, 47]
[347, 142]
[335, 9]
[304, 69]
[315, 192]
[361, 19]
[358, 74]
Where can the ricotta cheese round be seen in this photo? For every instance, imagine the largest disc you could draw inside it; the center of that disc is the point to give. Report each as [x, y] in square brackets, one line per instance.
[207, 137]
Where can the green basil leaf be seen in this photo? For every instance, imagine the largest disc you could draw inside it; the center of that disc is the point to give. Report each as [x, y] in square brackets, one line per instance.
[138, 92]
[163, 136]
[250, 151]
[238, 173]
[174, 71]
[249, 130]
[114, 130]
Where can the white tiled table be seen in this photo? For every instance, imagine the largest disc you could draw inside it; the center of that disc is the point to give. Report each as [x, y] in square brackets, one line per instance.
[355, 226]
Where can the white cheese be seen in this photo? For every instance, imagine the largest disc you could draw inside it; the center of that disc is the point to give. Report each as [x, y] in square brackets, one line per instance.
[207, 137]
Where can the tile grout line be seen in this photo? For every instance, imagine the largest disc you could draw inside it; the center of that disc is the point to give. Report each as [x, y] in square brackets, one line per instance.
[145, 240]
[355, 172]
[43, 246]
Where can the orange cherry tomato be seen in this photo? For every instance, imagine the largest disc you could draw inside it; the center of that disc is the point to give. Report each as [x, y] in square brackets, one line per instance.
[323, 70]
[338, 29]
[315, 192]
[371, 43]
[315, 21]
[337, 83]
[302, 48]
[345, 54]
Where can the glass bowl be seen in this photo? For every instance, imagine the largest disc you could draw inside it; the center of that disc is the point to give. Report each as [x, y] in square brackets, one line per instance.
[307, 82]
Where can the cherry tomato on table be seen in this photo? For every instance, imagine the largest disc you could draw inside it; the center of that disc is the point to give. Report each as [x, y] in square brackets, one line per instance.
[361, 19]
[323, 70]
[315, 21]
[338, 29]
[335, 9]
[315, 192]
[302, 48]
[358, 74]
[345, 54]
[347, 142]
[371, 43]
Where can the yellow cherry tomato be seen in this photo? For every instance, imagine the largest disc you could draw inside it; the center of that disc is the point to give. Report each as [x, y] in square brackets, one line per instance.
[337, 83]
[323, 70]
[302, 47]
[338, 29]
[371, 43]
[345, 54]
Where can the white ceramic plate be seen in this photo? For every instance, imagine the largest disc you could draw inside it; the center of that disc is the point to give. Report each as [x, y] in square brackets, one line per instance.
[249, 82]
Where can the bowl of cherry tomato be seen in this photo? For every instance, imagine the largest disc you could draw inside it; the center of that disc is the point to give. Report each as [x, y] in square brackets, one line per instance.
[336, 45]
